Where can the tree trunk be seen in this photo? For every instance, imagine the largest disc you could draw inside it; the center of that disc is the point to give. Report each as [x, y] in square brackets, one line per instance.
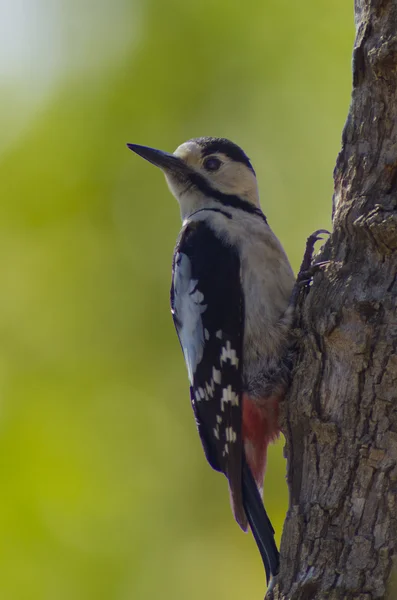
[340, 419]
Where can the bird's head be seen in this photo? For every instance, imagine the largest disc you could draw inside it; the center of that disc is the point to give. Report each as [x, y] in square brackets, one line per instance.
[204, 172]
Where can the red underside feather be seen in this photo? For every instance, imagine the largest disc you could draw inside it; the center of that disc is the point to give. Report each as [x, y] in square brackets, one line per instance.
[260, 427]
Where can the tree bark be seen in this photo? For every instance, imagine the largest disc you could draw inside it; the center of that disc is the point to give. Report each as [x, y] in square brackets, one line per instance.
[340, 418]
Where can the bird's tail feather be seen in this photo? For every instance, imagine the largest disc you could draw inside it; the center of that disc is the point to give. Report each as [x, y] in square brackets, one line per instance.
[260, 524]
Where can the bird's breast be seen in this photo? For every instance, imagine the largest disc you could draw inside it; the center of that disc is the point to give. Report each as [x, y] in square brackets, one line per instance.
[267, 281]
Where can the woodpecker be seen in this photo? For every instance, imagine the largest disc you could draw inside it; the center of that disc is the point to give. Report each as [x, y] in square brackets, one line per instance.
[230, 301]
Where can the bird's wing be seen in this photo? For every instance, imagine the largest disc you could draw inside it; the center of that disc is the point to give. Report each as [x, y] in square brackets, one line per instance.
[208, 312]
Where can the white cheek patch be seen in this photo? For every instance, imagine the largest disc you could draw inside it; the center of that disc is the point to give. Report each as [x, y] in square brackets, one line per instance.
[188, 301]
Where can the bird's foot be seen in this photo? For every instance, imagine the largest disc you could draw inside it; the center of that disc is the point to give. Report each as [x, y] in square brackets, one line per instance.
[307, 270]
[308, 256]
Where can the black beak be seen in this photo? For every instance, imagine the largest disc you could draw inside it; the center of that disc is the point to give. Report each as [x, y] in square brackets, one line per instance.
[164, 160]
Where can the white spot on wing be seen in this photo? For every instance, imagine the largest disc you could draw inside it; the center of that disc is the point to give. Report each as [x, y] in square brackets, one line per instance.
[228, 396]
[209, 390]
[231, 435]
[216, 375]
[219, 334]
[229, 354]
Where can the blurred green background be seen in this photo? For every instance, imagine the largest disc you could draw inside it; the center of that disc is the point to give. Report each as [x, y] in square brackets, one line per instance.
[105, 492]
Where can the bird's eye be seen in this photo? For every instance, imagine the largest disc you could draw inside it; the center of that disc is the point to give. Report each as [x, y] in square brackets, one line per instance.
[212, 163]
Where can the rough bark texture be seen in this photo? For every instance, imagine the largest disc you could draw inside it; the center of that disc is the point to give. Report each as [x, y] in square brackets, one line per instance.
[340, 419]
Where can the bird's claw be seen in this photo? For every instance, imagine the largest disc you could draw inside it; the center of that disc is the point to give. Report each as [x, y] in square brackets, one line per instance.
[307, 257]
[316, 235]
[307, 270]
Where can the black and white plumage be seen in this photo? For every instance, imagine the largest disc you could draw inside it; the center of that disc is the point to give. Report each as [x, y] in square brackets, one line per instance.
[230, 294]
[208, 311]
